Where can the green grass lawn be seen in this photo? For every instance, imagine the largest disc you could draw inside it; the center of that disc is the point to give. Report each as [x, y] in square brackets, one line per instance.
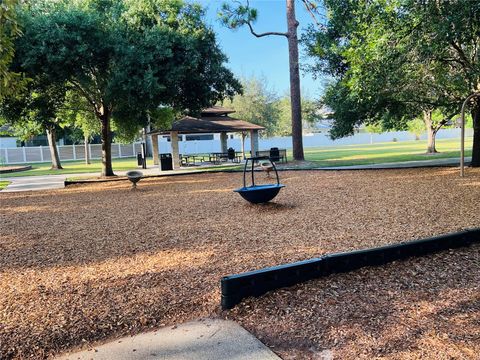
[321, 157]
[77, 167]
[3, 184]
[383, 152]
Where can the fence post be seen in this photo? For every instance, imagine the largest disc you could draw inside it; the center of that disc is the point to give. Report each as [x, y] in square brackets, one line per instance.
[24, 154]
[41, 153]
[119, 151]
[133, 147]
[90, 151]
[74, 152]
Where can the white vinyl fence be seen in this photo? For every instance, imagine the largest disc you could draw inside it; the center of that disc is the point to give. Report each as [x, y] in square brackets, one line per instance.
[314, 140]
[77, 152]
[35, 154]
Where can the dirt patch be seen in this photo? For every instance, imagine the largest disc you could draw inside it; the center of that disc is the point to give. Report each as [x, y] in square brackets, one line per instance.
[92, 262]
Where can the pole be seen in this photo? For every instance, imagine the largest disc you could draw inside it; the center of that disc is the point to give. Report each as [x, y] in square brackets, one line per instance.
[144, 148]
[462, 136]
[144, 155]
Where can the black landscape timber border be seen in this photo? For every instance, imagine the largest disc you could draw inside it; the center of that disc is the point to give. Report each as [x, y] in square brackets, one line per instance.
[125, 178]
[15, 169]
[256, 283]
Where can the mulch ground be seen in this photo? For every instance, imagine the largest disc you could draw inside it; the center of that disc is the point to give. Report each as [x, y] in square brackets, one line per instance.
[93, 262]
[425, 308]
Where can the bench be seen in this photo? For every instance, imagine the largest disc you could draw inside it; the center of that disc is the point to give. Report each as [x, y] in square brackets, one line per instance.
[274, 154]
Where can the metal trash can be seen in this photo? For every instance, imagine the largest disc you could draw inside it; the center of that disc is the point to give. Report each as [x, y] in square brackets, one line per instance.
[139, 159]
[274, 154]
[166, 162]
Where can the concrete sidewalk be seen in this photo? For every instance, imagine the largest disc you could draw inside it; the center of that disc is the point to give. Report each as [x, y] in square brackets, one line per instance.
[206, 339]
[49, 182]
[28, 183]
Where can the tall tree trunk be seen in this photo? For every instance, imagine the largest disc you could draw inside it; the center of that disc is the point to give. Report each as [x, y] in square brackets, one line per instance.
[107, 169]
[476, 135]
[431, 137]
[296, 104]
[87, 150]
[52, 145]
[431, 132]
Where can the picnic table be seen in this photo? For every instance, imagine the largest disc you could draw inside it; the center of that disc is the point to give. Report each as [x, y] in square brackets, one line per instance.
[217, 157]
[191, 159]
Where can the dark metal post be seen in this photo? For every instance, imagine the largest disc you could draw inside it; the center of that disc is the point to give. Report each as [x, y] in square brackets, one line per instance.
[144, 155]
[462, 144]
[244, 172]
[253, 178]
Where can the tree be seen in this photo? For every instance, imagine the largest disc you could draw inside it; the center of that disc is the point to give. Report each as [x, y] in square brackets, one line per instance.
[34, 109]
[349, 110]
[433, 121]
[357, 80]
[416, 127]
[257, 104]
[375, 128]
[284, 126]
[450, 35]
[10, 81]
[126, 58]
[235, 17]
[393, 60]
[77, 114]
[310, 115]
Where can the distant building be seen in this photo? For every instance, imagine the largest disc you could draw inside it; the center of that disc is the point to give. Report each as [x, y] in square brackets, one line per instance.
[7, 140]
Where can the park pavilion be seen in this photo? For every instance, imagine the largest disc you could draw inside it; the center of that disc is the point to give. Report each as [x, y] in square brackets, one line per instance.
[213, 120]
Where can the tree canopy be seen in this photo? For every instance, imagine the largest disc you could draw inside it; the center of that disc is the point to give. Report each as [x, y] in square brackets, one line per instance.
[393, 60]
[35, 109]
[125, 58]
[10, 81]
[310, 115]
[257, 104]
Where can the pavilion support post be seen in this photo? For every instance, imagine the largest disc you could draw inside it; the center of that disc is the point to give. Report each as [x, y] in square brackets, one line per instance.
[244, 134]
[155, 148]
[254, 141]
[223, 142]
[175, 153]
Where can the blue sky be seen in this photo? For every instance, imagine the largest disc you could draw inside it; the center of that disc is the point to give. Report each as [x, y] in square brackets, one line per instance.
[266, 56]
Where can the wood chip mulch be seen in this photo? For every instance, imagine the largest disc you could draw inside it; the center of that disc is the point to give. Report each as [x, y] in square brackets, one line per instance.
[424, 308]
[92, 262]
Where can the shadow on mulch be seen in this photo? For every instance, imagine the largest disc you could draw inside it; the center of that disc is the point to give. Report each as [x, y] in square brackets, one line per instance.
[419, 308]
[101, 259]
